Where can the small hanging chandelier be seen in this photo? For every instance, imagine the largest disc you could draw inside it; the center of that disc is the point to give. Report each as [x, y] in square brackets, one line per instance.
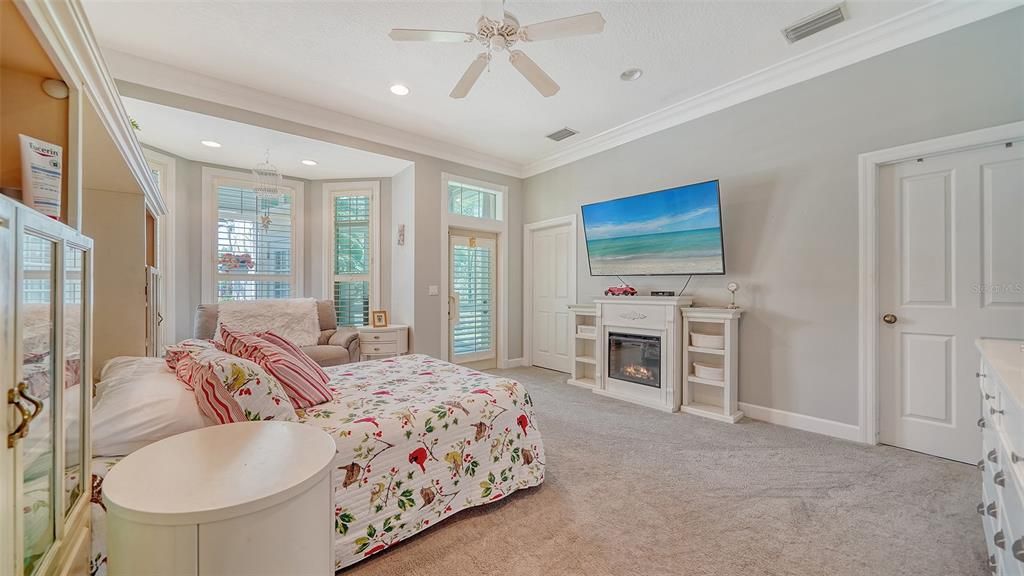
[268, 180]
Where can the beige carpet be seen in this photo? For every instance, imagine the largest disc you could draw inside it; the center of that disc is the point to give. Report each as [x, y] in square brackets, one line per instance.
[633, 491]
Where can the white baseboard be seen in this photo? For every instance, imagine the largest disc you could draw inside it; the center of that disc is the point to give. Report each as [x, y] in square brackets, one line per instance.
[510, 363]
[802, 422]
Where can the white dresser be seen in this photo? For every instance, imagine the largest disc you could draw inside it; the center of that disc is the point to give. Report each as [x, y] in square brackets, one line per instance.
[383, 342]
[249, 498]
[1001, 379]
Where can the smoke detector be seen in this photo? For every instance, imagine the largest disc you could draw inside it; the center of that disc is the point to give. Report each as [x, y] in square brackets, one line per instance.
[815, 23]
[562, 134]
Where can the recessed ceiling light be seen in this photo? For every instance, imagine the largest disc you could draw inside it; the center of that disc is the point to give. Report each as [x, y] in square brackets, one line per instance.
[399, 89]
[210, 143]
[631, 74]
[309, 162]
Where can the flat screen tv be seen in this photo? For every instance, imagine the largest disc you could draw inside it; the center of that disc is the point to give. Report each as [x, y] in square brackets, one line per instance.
[670, 232]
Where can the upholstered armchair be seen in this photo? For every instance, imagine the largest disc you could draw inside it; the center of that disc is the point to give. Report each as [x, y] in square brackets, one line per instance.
[335, 345]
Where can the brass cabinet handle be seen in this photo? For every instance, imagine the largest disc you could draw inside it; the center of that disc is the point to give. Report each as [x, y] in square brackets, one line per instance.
[991, 509]
[981, 422]
[36, 402]
[979, 375]
[993, 411]
[999, 539]
[981, 508]
[988, 396]
[21, 430]
[992, 456]
[999, 479]
[981, 465]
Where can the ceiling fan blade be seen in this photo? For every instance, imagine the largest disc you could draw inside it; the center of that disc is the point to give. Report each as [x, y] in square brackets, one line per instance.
[469, 78]
[529, 69]
[590, 23]
[493, 9]
[410, 35]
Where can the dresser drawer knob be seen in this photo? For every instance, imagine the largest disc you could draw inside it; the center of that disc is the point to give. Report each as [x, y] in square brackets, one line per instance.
[981, 422]
[999, 478]
[992, 456]
[981, 508]
[1018, 549]
[991, 509]
[981, 465]
[993, 411]
[999, 540]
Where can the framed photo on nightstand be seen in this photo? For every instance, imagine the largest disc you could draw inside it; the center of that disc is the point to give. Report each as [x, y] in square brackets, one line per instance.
[379, 318]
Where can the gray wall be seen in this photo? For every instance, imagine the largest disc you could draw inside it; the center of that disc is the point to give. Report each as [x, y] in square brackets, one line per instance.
[403, 258]
[787, 163]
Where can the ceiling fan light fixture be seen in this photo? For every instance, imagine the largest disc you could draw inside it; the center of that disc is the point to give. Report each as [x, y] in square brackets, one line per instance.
[399, 89]
[631, 74]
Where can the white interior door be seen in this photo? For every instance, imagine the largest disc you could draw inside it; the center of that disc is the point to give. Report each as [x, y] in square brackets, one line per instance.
[472, 318]
[951, 270]
[552, 267]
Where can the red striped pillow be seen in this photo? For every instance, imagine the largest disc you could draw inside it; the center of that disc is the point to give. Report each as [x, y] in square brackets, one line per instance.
[290, 347]
[232, 389]
[175, 352]
[305, 387]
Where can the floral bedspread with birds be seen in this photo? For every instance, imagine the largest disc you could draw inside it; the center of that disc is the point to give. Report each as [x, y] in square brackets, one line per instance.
[420, 439]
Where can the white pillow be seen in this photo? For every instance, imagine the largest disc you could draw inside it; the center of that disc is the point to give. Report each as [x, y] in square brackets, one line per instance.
[140, 401]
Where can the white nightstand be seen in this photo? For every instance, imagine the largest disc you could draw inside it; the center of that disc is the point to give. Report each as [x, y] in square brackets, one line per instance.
[247, 498]
[384, 342]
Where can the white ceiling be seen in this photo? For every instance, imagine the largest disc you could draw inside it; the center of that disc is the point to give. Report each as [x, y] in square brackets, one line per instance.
[337, 55]
[243, 146]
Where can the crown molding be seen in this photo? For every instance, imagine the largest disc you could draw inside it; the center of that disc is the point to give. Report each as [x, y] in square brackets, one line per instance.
[167, 78]
[64, 30]
[929, 20]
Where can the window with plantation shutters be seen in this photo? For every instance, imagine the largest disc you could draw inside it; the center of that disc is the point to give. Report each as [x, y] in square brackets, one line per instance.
[253, 242]
[254, 245]
[352, 215]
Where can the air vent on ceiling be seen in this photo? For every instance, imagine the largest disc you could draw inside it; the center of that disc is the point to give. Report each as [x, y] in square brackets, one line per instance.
[562, 134]
[815, 23]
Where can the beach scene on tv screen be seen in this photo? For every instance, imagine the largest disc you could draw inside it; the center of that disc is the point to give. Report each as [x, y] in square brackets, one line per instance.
[675, 231]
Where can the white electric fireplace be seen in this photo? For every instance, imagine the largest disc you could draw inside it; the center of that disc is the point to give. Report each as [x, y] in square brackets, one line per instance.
[640, 349]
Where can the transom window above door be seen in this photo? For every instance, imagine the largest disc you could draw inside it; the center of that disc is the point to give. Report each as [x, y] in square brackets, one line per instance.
[474, 200]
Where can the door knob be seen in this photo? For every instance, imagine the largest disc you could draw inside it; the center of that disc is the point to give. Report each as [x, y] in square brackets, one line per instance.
[889, 318]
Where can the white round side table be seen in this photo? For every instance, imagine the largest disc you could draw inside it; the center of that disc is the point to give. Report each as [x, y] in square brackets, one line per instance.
[249, 498]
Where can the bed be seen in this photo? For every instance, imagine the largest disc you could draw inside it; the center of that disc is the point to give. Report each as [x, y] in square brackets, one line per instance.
[418, 440]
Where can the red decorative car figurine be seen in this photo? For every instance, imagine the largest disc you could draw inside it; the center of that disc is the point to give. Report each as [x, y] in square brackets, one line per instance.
[623, 290]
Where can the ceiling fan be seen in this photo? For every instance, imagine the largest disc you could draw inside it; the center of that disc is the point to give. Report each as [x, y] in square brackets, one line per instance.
[499, 30]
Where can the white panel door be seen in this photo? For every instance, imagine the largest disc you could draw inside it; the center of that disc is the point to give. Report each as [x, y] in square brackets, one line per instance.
[552, 266]
[951, 270]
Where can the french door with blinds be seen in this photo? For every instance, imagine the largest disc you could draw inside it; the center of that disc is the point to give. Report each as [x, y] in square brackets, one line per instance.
[472, 262]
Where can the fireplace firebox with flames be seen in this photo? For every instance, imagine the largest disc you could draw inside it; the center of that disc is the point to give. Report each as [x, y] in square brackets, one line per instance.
[635, 358]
